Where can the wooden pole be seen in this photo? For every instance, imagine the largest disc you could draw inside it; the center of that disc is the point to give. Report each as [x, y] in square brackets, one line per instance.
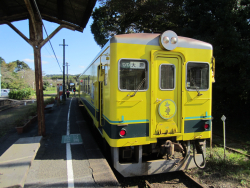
[38, 73]
[37, 42]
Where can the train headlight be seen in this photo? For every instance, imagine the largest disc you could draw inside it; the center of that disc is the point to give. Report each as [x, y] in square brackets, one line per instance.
[122, 132]
[168, 40]
[173, 40]
[206, 126]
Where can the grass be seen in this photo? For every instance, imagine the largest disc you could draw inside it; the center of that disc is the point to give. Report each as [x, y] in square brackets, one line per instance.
[18, 116]
[233, 170]
[235, 166]
[49, 92]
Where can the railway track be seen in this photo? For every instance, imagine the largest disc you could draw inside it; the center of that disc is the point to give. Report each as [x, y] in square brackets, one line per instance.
[233, 140]
[230, 148]
[184, 181]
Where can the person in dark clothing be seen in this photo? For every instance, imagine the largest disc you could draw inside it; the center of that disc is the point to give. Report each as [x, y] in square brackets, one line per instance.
[68, 93]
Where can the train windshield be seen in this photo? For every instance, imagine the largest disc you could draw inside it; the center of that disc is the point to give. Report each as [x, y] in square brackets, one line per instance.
[197, 76]
[133, 75]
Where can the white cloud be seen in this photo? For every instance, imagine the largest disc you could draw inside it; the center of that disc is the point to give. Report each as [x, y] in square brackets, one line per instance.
[82, 67]
[52, 56]
[32, 61]
[28, 60]
[48, 56]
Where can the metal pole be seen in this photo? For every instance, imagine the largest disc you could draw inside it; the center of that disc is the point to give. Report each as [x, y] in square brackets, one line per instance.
[211, 139]
[67, 75]
[0, 75]
[223, 118]
[63, 96]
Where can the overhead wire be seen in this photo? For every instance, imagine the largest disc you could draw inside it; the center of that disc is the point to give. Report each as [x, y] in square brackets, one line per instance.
[46, 33]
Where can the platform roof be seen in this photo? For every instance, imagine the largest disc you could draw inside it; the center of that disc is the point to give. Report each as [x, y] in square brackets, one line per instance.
[74, 13]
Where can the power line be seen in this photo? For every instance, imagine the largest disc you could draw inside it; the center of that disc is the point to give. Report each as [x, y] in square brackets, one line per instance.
[46, 33]
[49, 53]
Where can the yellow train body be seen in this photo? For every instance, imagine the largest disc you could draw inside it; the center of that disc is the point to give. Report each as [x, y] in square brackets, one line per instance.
[137, 92]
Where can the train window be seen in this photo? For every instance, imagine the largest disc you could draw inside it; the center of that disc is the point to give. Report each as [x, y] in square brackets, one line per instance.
[88, 91]
[84, 87]
[133, 75]
[83, 84]
[106, 75]
[167, 77]
[197, 76]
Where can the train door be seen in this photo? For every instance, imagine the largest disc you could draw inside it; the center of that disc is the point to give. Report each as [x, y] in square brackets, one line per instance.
[165, 94]
[100, 94]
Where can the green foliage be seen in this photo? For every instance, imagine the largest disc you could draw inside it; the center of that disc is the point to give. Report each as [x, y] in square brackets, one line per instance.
[2, 60]
[235, 166]
[45, 85]
[20, 65]
[50, 100]
[20, 94]
[119, 17]
[16, 75]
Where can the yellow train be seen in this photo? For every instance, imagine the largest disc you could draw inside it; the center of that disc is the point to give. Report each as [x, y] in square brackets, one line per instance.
[150, 97]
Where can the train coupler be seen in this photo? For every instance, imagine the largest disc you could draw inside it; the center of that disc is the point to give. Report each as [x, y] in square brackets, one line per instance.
[169, 149]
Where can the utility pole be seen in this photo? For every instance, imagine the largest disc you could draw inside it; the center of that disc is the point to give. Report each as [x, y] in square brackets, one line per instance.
[64, 96]
[67, 64]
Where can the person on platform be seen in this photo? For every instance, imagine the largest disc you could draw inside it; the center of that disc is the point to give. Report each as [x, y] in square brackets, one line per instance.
[68, 93]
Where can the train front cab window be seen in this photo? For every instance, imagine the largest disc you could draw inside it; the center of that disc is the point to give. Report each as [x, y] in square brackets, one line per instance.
[133, 75]
[197, 76]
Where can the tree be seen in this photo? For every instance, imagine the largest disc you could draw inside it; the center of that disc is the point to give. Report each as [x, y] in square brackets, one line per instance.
[45, 85]
[224, 23]
[20, 65]
[16, 75]
[2, 61]
[130, 16]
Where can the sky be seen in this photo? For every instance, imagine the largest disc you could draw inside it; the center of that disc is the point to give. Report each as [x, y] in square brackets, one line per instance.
[79, 53]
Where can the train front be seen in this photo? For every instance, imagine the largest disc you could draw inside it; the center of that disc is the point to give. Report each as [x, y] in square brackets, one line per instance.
[162, 104]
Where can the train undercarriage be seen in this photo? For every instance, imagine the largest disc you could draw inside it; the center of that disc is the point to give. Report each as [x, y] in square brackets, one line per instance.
[163, 156]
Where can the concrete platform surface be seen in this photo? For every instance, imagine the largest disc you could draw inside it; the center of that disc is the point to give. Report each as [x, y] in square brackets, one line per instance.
[87, 167]
[16, 161]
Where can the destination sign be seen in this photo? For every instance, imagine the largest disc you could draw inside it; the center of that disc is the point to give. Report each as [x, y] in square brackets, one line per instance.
[133, 65]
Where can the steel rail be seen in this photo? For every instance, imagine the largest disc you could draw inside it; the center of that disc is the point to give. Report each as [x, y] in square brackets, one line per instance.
[192, 179]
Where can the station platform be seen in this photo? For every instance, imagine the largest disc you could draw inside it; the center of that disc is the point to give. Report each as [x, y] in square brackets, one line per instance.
[67, 156]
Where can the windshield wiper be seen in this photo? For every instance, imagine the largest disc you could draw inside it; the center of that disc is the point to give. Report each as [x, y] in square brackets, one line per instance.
[198, 91]
[139, 86]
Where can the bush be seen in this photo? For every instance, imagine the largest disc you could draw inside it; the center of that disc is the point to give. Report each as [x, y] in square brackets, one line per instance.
[20, 94]
[50, 100]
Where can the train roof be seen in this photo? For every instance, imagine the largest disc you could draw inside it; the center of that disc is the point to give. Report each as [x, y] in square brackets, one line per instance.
[153, 39]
